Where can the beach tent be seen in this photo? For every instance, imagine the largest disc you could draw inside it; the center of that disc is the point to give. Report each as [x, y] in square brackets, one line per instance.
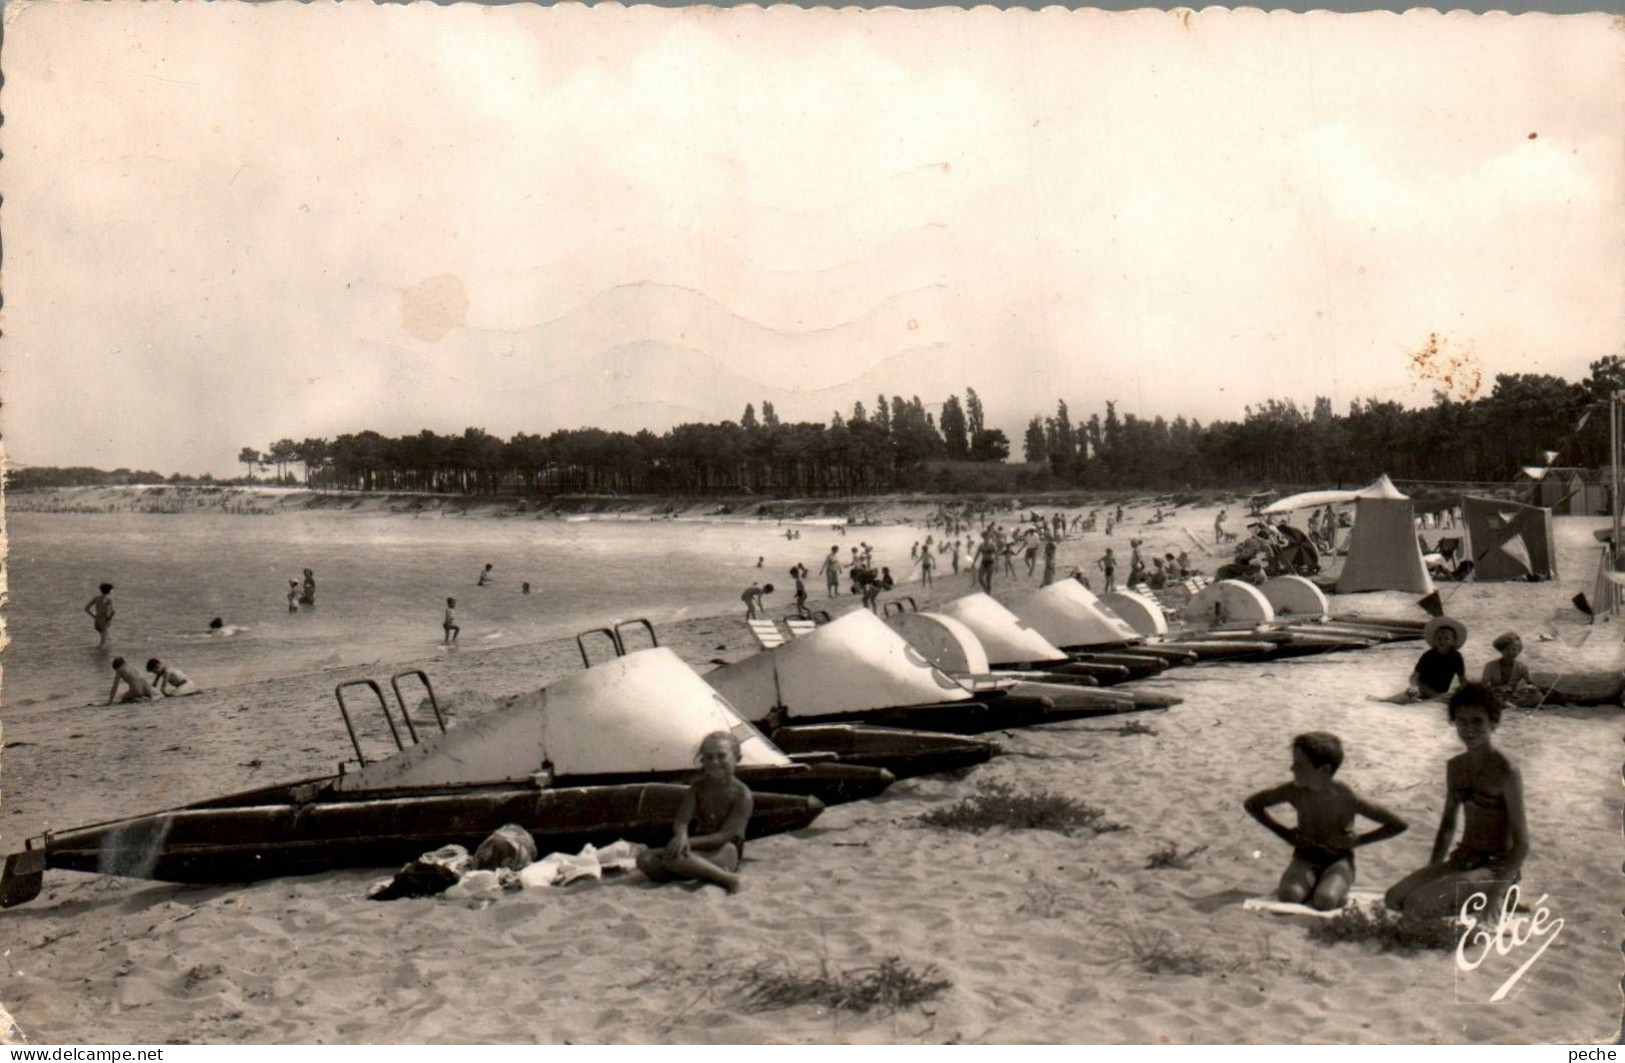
[854, 664]
[643, 713]
[1383, 552]
[1507, 540]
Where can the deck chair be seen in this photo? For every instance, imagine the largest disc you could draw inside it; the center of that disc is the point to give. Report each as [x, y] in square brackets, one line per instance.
[767, 633]
[799, 627]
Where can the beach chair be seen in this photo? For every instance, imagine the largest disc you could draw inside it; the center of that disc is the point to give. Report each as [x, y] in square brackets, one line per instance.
[767, 633]
[799, 627]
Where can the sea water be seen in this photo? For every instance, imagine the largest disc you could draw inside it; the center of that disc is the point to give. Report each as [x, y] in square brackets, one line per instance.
[381, 587]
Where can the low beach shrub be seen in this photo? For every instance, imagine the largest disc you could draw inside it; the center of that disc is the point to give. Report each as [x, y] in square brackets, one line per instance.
[889, 986]
[1388, 931]
[1170, 856]
[1000, 806]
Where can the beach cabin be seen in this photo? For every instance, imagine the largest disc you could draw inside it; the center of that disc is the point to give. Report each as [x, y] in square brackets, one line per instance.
[1565, 490]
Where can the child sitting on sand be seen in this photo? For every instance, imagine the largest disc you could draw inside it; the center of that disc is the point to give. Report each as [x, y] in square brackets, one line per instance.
[1508, 676]
[1495, 838]
[172, 682]
[1438, 668]
[718, 807]
[1323, 842]
[140, 689]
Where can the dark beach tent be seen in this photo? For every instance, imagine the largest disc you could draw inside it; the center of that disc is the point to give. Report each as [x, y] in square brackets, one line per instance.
[1507, 540]
[1383, 553]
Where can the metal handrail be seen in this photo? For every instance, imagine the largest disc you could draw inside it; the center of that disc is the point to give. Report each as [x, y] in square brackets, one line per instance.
[654, 640]
[344, 710]
[614, 642]
[423, 677]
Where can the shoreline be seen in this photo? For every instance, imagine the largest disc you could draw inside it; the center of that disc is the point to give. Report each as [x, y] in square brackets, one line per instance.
[859, 510]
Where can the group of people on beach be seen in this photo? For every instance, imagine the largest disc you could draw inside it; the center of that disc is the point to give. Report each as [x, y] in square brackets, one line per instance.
[1481, 784]
[165, 680]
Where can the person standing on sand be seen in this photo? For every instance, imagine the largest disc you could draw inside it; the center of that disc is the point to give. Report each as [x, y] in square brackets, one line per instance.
[293, 596]
[1049, 563]
[1218, 526]
[309, 595]
[1108, 565]
[831, 570]
[987, 556]
[449, 622]
[927, 563]
[100, 610]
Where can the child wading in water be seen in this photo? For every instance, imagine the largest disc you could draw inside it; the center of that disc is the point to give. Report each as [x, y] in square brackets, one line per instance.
[717, 807]
[1495, 838]
[1323, 842]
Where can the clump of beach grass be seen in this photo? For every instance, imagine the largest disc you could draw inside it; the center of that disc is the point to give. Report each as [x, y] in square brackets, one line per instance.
[1170, 856]
[998, 805]
[1158, 951]
[888, 986]
[1387, 931]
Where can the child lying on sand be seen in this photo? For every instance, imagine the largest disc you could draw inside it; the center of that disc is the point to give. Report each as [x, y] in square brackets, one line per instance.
[718, 806]
[1495, 838]
[1323, 842]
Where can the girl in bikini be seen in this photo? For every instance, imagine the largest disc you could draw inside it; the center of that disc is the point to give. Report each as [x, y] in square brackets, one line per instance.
[716, 808]
[1494, 840]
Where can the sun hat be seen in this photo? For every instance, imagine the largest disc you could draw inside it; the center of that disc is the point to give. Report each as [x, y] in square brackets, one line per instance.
[1445, 621]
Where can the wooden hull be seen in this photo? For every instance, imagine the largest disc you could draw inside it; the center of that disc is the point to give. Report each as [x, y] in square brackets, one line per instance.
[903, 753]
[212, 842]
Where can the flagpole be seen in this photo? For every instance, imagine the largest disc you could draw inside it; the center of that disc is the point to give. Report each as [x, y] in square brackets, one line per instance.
[1613, 506]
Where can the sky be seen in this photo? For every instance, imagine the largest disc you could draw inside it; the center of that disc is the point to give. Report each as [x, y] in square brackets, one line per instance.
[229, 224]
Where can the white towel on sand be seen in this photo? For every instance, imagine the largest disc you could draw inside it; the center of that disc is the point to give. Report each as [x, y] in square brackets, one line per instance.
[1367, 899]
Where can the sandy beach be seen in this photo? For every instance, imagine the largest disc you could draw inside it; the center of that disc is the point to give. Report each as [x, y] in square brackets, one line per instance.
[1044, 937]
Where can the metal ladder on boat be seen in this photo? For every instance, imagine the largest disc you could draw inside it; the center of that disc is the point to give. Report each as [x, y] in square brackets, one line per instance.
[383, 705]
[617, 640]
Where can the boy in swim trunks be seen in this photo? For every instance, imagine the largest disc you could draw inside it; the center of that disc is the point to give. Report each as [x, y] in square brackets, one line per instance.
[140, 689]
[1323, 841]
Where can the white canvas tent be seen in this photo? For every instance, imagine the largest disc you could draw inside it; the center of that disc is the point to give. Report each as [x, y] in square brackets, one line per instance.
[646, 712]
[1383, 554]
[853, 664]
